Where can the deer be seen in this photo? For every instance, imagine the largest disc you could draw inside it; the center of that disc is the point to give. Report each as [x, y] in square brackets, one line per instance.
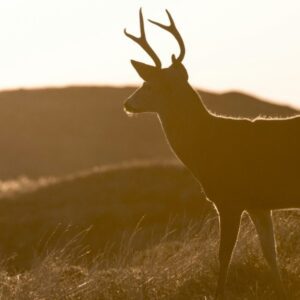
[242, 165]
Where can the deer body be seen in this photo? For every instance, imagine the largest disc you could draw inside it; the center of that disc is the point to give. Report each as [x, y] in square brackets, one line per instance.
[241, 164]
[238, 162]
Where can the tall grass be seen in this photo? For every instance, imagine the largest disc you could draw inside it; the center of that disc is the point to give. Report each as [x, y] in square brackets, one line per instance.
[179, 264]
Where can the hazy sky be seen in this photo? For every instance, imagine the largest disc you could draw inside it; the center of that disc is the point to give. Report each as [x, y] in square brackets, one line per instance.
[253, 46]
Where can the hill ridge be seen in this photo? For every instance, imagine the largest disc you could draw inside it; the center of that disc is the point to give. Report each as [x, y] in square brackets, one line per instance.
[56, 131]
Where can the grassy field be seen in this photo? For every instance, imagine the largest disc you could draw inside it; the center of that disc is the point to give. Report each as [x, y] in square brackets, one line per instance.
[137, 231]
[111, 199]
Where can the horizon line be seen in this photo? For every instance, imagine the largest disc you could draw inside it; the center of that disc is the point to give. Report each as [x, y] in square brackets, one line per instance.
[132, 85]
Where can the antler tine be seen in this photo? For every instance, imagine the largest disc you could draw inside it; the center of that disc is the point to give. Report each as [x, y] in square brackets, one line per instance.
[173, 30]
[142, 41]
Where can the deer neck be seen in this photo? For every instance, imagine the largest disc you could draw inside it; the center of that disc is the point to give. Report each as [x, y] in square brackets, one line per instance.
[187, 127]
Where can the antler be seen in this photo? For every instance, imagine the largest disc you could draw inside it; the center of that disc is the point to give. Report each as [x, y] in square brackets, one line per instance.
[173, 30]
[142, 41]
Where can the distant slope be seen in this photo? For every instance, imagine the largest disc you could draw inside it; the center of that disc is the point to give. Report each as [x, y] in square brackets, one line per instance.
[237, 104]
[111, 199]
[59, 131]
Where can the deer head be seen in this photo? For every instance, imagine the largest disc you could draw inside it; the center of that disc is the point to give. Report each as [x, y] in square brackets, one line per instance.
[160, 84]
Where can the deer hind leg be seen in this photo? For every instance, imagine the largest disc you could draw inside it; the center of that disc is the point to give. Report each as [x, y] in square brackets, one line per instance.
[229, 227]
[262, 220]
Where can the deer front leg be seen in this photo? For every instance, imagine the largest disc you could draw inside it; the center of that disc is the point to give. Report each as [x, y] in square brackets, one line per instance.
[229, 227]
[262, 220]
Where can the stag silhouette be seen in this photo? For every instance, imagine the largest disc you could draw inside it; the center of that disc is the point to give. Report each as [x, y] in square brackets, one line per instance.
[242, 165]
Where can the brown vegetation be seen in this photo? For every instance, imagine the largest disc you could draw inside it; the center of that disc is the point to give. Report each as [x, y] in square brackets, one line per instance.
[162, 254]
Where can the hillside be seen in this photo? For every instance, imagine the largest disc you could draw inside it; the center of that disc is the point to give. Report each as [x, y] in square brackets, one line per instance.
[127, 231]
[109, 198]
[60, 131]
[136, 248]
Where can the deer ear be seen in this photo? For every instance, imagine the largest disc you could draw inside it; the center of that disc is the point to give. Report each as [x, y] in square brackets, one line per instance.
[180, 69]
[146, 72]
[183, 72]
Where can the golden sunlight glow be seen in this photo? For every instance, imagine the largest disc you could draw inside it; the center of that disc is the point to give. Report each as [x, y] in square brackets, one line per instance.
[252, 46]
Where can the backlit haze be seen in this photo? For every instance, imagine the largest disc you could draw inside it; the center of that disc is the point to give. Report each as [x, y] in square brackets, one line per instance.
[251, 46]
